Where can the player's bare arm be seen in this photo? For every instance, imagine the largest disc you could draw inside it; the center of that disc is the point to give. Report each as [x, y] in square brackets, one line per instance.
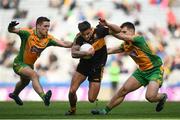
[124, 37]
[76, 53]
[11, 27]
[62, 43]
[115, 50]
[113, 28]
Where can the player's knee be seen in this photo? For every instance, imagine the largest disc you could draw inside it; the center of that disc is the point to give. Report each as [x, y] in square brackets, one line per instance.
[150, 98]
[72, 91]
[34, 76]
[123, 91]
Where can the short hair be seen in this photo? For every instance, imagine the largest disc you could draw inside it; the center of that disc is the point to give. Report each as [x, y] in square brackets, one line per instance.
[83, 26]
[41, 19]
[129, 25]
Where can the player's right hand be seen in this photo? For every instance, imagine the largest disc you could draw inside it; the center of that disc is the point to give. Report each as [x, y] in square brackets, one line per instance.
[91, 52]
[13, 23]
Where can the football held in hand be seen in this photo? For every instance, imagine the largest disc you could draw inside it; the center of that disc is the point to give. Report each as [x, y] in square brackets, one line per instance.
[87, 48]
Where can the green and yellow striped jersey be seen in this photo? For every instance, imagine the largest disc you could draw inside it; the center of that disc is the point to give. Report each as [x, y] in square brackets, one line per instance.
[141, 53]
[32, 46]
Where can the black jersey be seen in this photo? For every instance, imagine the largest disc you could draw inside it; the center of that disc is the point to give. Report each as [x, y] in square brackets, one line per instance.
[98, 42]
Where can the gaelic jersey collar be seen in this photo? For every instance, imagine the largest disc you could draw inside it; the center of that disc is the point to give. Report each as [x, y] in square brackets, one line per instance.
[35, 32]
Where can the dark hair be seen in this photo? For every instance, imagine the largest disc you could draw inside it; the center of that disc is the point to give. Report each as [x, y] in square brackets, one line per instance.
[41, 19]
[83, 26]
[129, 25]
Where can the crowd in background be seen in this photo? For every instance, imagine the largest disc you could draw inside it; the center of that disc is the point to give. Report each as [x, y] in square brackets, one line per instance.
[56, 65]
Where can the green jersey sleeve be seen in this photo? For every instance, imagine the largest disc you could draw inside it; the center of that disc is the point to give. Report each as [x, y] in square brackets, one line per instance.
[24, 34]
[53, 43]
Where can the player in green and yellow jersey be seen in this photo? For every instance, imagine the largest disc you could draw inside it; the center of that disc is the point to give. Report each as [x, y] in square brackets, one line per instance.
[33, 42]
[149, 72]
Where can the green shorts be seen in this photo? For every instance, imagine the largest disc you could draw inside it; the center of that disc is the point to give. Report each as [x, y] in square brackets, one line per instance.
[144, 77]
[18, 65]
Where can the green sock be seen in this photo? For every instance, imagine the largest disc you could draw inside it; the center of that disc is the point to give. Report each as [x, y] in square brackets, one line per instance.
[42, 95]
[107, 109]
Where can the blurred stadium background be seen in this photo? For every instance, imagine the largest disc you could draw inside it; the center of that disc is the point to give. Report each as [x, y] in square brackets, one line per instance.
[157, 20]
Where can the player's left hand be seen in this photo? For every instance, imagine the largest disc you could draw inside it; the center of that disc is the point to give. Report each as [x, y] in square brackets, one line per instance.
[102, 22]
[13, 23]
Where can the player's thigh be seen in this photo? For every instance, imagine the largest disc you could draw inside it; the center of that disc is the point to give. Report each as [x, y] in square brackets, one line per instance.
[77, 79]
[141, 77]
[23, 69]
[28, 72]
[93, 92]
[130, 85]
[95, 74]
[155, 78]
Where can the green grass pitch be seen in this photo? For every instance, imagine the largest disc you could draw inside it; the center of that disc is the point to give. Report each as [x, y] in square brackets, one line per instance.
[127, 110]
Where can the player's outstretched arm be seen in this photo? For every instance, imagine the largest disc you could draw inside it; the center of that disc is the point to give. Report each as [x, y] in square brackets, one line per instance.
[124, 37]
[11, 27]
[114, 28]
[62, 43]
[114, 50]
